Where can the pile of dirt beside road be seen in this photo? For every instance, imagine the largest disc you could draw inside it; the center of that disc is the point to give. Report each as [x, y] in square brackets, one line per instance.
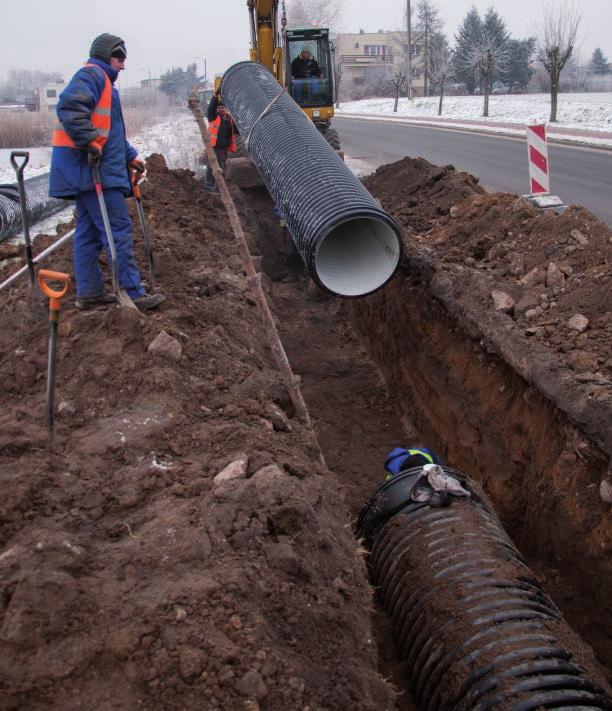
[130, 574]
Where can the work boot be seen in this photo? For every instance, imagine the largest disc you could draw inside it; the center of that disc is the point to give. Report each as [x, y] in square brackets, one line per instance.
[89, 302]
[149, 301]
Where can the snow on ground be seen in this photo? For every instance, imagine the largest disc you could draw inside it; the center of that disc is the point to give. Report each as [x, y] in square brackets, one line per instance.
[177, 138]
[38, 163]
[592, 112]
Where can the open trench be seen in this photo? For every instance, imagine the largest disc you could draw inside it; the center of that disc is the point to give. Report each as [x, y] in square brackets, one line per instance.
[395, 370]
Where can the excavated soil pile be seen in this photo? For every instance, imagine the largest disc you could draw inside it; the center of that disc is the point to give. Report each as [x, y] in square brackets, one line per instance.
[497, 332]
[132, 573]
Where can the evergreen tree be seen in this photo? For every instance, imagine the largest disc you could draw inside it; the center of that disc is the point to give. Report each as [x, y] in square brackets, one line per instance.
[497, 38]
[177, 82]
[519, 70]
[428, 24]
[468, 36]
[599, 63]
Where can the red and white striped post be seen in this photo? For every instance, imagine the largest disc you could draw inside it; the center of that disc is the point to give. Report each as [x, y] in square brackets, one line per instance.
[539, 177]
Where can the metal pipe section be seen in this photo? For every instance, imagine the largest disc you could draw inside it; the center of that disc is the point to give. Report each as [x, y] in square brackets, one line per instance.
[45, 253]
[350, 245]
[39, 204]
[472, 624]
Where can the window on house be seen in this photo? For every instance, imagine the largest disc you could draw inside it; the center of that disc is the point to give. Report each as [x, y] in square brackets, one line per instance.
[51, 93]
[374, 50]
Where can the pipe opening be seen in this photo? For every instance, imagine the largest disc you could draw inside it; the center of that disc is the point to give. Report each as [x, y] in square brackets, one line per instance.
[357, 257]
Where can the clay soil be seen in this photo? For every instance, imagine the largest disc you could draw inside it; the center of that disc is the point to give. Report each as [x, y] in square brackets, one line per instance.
[130, 578]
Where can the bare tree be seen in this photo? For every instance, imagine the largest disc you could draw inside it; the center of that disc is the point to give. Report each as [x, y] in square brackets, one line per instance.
[21, 83]
[441, 65]
[314, 13]
[557, 35]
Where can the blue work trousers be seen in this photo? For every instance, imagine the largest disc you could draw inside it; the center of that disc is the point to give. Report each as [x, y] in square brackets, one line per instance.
[90, 239]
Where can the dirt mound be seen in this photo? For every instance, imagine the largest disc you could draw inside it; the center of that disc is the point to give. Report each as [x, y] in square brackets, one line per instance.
[416, 192]
[548, 276]
[554, 267]
[130, 575]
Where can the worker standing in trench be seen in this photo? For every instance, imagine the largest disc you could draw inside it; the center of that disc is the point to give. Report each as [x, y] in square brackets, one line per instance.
[223, 132]
[91, 128]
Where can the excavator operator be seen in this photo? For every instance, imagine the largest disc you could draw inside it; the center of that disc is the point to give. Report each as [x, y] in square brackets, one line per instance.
[305, 70]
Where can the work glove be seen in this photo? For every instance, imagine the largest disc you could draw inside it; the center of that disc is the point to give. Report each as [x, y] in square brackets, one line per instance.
[94, 155]
[138, 165]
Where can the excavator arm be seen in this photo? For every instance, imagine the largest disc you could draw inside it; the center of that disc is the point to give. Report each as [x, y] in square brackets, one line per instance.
[266, 46]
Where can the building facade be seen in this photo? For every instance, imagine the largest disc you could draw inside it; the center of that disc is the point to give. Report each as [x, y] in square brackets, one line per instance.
[367, 58]
[48, 95]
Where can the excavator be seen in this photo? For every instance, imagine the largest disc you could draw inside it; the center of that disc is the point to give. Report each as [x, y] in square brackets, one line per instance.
[277, 50]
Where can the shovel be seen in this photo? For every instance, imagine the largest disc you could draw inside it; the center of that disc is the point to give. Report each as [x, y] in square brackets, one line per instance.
[122, 296]
[54, 309]
[34, 297]
[136, 176]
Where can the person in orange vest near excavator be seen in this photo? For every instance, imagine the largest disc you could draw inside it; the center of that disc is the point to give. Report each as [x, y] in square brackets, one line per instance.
[91, 128]
[223, 132]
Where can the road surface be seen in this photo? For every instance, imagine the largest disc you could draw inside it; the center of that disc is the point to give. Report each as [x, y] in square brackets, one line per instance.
[577, 175]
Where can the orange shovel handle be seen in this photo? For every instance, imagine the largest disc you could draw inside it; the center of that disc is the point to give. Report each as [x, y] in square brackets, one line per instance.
[53, 294]
[136, 178]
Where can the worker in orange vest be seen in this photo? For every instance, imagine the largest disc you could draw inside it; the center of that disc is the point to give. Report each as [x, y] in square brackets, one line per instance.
[91, 126]
[223, 132]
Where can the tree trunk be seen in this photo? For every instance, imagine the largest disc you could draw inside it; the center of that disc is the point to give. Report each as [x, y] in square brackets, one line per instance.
[487, 90]
[554, 93]
[426, 60]
[441, 98]
[409, 38]
[397, 91]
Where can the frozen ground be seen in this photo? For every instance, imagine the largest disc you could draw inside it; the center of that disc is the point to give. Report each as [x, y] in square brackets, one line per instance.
[592, 112]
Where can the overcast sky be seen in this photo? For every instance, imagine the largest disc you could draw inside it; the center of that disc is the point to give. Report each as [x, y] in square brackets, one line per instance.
[55, 35]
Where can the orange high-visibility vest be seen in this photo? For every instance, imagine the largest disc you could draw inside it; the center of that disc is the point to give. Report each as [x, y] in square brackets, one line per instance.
[100, 118]
[213, 127]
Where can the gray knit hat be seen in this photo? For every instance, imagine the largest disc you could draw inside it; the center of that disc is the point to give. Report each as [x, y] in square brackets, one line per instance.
[104, 45]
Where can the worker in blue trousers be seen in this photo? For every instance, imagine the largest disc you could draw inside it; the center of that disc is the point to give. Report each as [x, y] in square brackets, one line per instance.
[91, 129]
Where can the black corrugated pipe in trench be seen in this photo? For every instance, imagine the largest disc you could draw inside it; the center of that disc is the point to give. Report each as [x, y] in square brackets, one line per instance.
[473, 625]
[350, 245]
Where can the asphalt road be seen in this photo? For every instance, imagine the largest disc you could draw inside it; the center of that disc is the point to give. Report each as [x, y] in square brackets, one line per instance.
[578, 175]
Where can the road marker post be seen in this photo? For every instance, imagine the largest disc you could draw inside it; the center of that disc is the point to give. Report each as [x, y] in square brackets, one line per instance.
[539, 170]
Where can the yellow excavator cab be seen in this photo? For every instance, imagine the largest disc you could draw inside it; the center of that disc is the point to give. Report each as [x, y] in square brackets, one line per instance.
[313, 90]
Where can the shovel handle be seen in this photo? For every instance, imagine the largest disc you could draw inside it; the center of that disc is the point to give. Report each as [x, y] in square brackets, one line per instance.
[53, 294]
[16, 166]
[137, 176]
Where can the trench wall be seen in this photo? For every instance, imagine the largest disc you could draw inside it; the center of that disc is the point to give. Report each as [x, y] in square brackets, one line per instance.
[468, 402]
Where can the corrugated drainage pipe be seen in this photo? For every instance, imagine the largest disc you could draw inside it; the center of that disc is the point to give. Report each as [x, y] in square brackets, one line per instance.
[350, 245]
[473, 625]
[38, 203]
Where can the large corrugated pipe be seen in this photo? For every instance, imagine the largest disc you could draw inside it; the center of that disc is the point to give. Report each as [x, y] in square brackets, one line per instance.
[473, 625]
[38, 202]
[350, 245]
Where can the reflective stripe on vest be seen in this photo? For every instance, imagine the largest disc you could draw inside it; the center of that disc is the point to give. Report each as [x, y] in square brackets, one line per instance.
[411, 453]
[100, 118]
[213, 127]
[427, 456]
